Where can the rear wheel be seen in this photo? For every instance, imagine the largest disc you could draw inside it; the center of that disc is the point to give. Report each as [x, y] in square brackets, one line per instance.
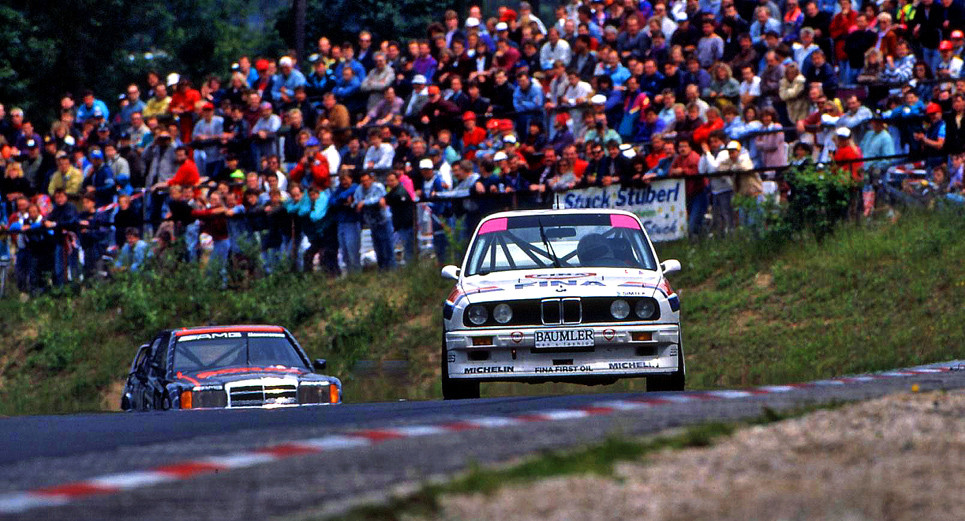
[671, 382]
[454, 389]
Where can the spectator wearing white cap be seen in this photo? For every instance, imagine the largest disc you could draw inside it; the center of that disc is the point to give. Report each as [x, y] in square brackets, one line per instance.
[731, 159]
[848, 156]
[429, 186]
[288, 78]
[412, 105]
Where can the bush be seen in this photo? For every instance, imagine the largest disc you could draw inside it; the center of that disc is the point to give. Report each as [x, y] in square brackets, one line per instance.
[819, 198]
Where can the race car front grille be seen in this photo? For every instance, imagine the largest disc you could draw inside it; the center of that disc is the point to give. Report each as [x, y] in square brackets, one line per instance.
[255, 395]
[561, 311]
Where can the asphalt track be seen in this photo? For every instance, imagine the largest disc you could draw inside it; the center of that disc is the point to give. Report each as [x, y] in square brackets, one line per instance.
[284, 463]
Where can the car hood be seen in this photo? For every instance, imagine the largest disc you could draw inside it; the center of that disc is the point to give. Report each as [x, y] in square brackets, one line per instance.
[589, 282]
[233, 374]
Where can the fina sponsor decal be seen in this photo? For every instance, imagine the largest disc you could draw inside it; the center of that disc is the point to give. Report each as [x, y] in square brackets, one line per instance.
[557, 283]
[210, 336]
[564, 369]
[489, 369]
[560, 276]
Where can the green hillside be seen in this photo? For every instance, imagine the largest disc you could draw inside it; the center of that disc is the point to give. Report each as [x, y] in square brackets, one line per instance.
[869, 297]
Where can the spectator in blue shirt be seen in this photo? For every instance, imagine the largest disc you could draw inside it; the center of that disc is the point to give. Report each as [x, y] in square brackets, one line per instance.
[370, 203]
[763, 23]
[285, 82]
[348, 221]
[100, 179]
[133, 103]
[90, 107]
[134, 252]
[527, 100]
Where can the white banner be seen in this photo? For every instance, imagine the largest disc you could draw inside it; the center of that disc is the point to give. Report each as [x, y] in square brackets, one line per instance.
[661, 205]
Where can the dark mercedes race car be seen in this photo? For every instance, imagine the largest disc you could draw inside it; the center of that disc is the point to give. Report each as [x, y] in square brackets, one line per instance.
[226, 367]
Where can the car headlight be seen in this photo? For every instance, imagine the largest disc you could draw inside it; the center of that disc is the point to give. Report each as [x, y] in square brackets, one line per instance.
[645, 308]
[314, 392]
[503, 313]
[620, 309]
[203, 398]
[478, 314]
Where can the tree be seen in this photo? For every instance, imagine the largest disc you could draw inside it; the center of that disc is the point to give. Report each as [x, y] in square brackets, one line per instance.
[60, 46]
[341, 20]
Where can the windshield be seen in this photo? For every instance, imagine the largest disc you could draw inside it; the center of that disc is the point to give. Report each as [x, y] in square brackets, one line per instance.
[205, 351]
[564, 241]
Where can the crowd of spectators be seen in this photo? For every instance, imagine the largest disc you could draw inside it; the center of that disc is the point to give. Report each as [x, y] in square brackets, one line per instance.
[293, 159]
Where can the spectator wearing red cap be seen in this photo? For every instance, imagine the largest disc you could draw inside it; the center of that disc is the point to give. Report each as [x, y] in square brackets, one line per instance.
[958, 42]
[561, 136]
[949, 65]
[263, 84]
[207, 140]
[438, 114]
[472, 135]
[931, 141]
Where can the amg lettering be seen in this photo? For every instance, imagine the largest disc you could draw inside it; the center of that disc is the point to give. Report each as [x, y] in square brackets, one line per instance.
[488, 370]
[209, 336]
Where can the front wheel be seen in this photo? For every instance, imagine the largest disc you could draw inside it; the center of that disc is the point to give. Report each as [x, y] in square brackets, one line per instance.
[453, 389]
[672, 382]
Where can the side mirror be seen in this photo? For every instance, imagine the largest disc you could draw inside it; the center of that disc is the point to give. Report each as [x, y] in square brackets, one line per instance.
[670, 266]
[319, 364]
[450, 272]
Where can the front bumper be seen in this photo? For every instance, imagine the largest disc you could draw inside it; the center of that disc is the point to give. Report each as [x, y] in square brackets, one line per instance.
[619, 350]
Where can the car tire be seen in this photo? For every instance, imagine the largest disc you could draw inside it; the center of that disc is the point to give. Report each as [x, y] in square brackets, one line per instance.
[454, 389]
[672, 382]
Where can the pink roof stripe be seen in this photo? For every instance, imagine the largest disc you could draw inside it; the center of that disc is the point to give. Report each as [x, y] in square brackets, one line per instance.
[493, 225]
[624, 221]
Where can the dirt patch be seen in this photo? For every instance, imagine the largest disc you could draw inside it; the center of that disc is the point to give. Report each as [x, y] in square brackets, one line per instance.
[111, 398]
[763, 280]
[745, 318]
[896, 458]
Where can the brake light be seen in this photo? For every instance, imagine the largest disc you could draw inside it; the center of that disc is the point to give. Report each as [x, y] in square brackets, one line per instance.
[333, 393]
[187, 399]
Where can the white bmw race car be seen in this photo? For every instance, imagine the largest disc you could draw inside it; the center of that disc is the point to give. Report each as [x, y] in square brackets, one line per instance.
[561, 295]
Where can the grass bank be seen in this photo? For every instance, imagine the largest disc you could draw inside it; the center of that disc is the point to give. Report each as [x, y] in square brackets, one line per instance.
[869, 297]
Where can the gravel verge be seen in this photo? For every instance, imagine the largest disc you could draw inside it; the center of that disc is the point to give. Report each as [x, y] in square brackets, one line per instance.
[894, 458]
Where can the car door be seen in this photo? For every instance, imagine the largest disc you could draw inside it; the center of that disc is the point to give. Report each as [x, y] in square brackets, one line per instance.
[135, 378]
[156, 374]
